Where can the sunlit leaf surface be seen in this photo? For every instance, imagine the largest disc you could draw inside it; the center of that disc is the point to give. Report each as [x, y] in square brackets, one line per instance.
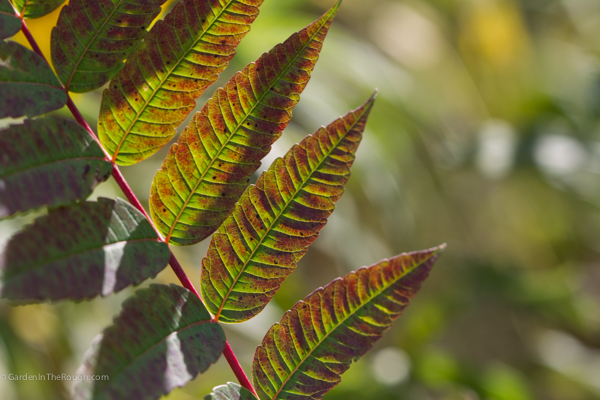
[303, 356]
[163, 77]
[207, 170]
[92, 39]
[36, 8]
[48, 162]
[81, 251]
[28, 87]
[274, 222]
[231, 391]
[9, 23]
[161, 340]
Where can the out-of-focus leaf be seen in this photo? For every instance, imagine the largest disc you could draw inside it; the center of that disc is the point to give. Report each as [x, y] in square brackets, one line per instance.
[9, 23]
[274, 222]
[231, 391]
[303, 356]
[161, 340]
[27, 84]
[207, 170]
[81, 251]
[92, 39]
[48, 162]
[36, 8]
[163, 77]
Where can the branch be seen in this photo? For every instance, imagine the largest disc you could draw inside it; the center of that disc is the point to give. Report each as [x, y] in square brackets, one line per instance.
[116, 173]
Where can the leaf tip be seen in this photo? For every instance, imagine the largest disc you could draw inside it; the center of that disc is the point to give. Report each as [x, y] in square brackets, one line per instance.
[433, 253]
[333, 10]
[439, 249]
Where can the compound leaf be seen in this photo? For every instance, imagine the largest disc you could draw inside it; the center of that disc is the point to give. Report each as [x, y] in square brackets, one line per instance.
[303, 356]
[274, 222]
[36, 8]
[92, 38]
[207, 170]
[27, 84]
[168, 71]
[48, 162]
[161, 340]
[231, 391]
[10, 24]
[81, 251]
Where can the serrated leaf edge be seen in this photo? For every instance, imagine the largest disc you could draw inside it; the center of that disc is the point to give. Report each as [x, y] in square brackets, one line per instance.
[435, 252]
[292, 197]
[234, 131]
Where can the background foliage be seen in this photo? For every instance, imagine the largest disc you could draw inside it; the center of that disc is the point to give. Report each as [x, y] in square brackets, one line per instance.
[484, 136]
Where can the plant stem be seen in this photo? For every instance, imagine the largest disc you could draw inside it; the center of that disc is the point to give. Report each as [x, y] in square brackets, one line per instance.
[116, 173]
[237, 369]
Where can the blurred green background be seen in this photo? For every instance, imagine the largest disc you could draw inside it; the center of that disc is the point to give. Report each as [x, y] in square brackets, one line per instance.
[485, 135]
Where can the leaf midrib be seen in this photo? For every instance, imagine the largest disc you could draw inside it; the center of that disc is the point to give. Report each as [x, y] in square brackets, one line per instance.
[235, 130]
[340, 323]
[283, 211]
[9, 14]
[44, 164]
[32, 84]
[166, 76]
[42, 263]
[92, 40]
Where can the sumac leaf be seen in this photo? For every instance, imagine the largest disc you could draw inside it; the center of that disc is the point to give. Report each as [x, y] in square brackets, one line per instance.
[161, 340]
[28, 87]
[81, 251]
[48, 162]
[9, 23]
[208, 168]
[303, 356]
[231, 391]
[274, 222]
[158, 87]
[92, 39]
[36, 8]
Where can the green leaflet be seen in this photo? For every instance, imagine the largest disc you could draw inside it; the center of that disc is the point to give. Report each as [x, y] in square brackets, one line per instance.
[161, 340]
[48, 162]
[303, 356]
[27, 84]
[207, 170]
[92, 38]
[81, 251]
[231, 391]
[9, 23]
[168, 71]
[36, 8]
[274, 222]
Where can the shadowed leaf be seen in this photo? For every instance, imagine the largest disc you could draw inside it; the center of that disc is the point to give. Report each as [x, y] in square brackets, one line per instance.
[28, 87]
[92, 39]
[303, 356]
[231, 391]
[81, 251]
[48, 162]
[161, 340]
[36, 8]
[274, 222]
[207, 170]
[9, 23]
[168, 71]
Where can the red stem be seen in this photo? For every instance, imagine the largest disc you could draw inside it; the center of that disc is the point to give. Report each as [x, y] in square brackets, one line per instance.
[116, 173]
[237, 369]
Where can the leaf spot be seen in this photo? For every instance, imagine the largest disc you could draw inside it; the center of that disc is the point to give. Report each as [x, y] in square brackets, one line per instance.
[5, 63]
